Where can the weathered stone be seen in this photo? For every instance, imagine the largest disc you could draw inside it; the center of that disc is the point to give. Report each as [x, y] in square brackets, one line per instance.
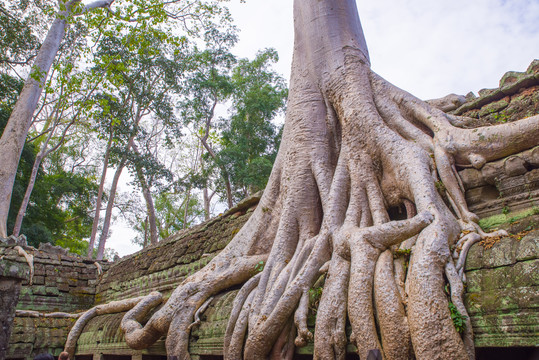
[472, 178]
[526, 273]
[514, 166]
[493, 107]
[491, 172]
[534, 67]
[528, 247]
[500, 254]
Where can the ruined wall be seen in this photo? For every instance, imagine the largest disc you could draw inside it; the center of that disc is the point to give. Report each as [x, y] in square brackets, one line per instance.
[502, 294]
[511, 183]
[61, 282]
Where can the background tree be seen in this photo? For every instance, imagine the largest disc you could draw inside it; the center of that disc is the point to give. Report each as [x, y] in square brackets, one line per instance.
[249, 138]
[14, 135]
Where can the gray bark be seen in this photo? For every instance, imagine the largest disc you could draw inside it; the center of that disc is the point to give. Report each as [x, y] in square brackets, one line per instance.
[150, 208]
[108, 212]
[14, 135]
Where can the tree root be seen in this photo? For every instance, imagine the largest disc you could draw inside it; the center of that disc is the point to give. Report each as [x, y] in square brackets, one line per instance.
[29, 259]
[110, 308]
[37, 314]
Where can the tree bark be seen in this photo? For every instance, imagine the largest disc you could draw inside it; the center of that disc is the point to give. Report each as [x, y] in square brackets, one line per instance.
[108, 212]
[16, 130]
[14, 135]
[99, 199]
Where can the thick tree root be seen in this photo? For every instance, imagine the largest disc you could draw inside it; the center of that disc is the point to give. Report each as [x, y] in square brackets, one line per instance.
[29, 260]
[110, 308]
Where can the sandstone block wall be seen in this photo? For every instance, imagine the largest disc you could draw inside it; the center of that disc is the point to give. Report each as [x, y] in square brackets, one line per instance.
[60, 283]
[511, 183]
[502, 294]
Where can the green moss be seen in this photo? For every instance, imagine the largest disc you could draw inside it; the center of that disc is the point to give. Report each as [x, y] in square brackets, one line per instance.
[509, 218]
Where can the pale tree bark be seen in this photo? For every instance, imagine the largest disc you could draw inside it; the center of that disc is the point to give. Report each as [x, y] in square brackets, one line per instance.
[139, 113]
[209, 149]
[44, 152]
[150, 208]
[14, 135]
[108, 211]
[99, 199]
[353, 146]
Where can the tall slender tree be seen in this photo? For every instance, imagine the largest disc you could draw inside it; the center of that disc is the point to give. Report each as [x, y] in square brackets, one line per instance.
[14, 135]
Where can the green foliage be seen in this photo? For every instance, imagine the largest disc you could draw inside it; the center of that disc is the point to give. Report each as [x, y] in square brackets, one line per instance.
[59, 206]
[259, 267]
[249, 139]
[402, 252]
[459, 320]
[315, 294]
[18, 43]
[59, 209]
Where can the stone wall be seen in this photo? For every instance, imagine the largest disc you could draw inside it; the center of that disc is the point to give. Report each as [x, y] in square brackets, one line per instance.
[61, 282]
[164, 265]
[511, 183]
[502, 294]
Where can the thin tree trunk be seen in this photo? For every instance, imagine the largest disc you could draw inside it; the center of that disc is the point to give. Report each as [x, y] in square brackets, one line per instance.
[26, 198]
[110, 203]
[16, 130]
[145, 243]
[224, 173]
[99, 197]
[185, 211]
[206, 204]
[108, 213]
[150, 208]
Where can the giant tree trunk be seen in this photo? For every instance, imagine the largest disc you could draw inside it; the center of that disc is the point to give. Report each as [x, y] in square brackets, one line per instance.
[353, 146]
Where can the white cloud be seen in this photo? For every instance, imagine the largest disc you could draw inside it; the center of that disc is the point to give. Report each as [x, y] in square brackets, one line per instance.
[430, 48]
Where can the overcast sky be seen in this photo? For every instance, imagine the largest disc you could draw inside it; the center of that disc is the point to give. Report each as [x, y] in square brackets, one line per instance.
[428, 47]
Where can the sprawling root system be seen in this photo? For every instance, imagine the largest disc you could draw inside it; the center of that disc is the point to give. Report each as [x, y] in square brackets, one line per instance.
[353, 148]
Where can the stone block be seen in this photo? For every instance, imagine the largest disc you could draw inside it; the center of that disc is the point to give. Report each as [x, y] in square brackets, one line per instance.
[474, 260]
[474, 281]
[528, 247]
[39, 280]
[497, 278]
[525, 274]
[472, 178]
[501, 254]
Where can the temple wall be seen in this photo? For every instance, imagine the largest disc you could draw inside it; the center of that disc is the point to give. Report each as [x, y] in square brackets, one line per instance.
[61, 282]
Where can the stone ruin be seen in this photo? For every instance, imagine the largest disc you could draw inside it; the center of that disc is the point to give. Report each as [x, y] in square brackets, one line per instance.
[43, 290]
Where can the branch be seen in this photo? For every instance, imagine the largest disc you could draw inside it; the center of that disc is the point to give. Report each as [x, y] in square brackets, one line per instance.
[94, 5]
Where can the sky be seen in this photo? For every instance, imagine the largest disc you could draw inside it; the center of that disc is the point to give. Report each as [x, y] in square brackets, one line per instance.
[429, 48]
